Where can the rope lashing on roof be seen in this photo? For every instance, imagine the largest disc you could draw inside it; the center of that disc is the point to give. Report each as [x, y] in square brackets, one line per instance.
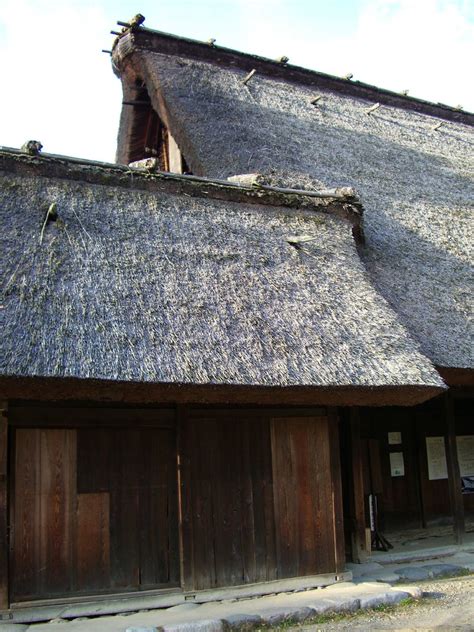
[51, 216]
[372, 109]
[249, 76]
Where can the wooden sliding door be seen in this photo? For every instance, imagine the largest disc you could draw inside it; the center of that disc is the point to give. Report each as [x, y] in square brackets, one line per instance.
[261, 498]
[95, 510]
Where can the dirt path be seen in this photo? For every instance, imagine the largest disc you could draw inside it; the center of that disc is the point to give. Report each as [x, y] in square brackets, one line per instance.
[448, 605]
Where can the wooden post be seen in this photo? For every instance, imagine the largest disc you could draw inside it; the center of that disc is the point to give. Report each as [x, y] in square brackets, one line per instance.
[3, 507]
[454, 476]
[357, 501]
[338, 520]
[175, 160]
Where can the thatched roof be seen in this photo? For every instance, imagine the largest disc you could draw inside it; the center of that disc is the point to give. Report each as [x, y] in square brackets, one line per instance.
[414, 176]
[158, 279]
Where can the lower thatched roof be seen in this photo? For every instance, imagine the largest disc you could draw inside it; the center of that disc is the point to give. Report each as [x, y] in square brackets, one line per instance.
[414, 174]
[161, 287]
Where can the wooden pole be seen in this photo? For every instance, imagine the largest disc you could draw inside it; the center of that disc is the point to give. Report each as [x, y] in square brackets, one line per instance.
[338, 520]
[454, 476]
[4, 544]
[358, 539]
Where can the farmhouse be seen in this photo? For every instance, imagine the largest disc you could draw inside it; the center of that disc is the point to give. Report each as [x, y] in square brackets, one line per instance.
[228, 356]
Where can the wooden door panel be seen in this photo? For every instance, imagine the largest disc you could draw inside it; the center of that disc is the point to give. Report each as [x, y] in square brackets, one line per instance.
[303, 484]
[95, 510]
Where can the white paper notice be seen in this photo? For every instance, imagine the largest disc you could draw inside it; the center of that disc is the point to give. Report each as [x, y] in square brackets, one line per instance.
[436, 456]
[465, 446]
[397, 465]
[394, 438]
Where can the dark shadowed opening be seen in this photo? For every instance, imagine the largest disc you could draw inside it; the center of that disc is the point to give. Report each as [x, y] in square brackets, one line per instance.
[149, 137]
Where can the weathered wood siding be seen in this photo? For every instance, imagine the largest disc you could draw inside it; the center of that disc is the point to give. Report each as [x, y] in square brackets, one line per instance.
[260, 498]
[95, 510]
[411, 500]
[119, 500]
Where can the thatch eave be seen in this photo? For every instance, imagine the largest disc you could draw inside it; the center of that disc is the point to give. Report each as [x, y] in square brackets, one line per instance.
[72, 389]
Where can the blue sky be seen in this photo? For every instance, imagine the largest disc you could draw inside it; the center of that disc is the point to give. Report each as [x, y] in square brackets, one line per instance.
[59, 88]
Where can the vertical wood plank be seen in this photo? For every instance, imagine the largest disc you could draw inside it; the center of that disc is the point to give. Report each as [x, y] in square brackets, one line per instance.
[285, 494]
[174, 156]
[4, 542]
[186, 500]
[57, 510]
[249, 544]
[454, 475]
[93, 541]
[26, 517]
[305, 496]
[124, 509]
[338, 521]
[357, 496]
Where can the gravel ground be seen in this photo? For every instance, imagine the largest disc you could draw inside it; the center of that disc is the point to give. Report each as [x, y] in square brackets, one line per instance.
[448, 604]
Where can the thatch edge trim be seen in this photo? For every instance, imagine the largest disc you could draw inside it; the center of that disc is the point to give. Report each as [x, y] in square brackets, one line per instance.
[143, 39]
[109, 174]
[60, 389]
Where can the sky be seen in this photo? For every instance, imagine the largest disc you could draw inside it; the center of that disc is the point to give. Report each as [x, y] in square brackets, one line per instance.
[59, 88]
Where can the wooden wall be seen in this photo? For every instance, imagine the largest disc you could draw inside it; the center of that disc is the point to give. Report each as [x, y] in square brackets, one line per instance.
[94, 510]
[261, 498]
[98, 497]
[412, 500]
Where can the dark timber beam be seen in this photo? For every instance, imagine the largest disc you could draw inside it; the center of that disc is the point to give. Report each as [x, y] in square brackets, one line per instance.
[454, 476]
[3, 507]
[357, 501]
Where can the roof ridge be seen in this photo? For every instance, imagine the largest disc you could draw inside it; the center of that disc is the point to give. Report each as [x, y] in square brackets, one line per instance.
[342, 201]
[167, 43]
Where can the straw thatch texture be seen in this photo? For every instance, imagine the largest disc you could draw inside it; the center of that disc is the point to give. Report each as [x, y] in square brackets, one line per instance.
[159, 287]
[415, 182]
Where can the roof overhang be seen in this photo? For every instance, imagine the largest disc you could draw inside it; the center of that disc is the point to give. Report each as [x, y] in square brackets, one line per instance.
[63, 389]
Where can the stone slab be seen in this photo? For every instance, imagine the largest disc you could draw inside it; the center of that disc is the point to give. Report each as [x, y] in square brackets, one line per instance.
[243, 621]
[207, 625]
[277, 616]
[412, 573]
[443, 570]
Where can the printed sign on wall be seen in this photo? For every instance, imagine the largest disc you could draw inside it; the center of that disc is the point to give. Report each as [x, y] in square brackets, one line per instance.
[397, 465]
[465, 446]
[394, 438]
[436, 456]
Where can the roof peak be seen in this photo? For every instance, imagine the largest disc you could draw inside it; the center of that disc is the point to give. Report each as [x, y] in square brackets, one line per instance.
[142, 38]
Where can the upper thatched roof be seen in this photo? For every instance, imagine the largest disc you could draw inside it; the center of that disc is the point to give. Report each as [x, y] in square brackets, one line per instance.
[414, 176]
[153, 278]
